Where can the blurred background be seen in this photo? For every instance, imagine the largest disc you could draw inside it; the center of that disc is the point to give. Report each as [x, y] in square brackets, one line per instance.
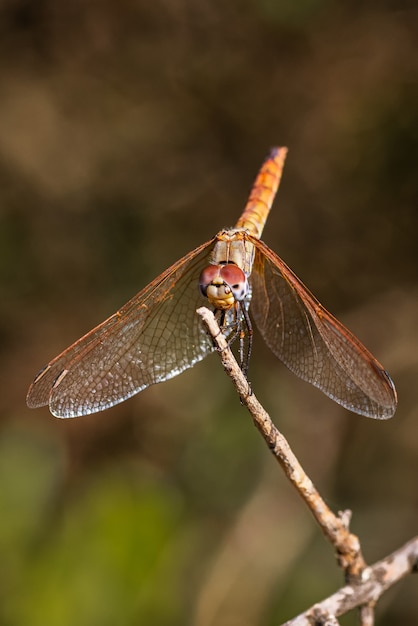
[130, 133]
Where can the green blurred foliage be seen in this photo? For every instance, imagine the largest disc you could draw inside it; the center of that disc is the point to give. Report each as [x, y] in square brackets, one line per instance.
[130, 133]
[110, 555]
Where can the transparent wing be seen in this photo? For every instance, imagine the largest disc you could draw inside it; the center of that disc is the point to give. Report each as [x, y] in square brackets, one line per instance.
[312, 343]
[152, 338]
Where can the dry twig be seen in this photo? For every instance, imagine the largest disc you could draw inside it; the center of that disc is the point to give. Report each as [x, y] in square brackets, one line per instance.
[376, 580]
[366, 584]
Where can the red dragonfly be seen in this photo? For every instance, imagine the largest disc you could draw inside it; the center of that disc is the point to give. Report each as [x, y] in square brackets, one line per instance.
[158, 334]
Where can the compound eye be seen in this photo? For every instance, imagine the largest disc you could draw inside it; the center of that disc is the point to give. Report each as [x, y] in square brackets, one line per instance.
[206, 278]
[235, 278]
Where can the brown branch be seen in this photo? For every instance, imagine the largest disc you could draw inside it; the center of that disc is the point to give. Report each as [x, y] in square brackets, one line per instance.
[366, 584]
[334, 527]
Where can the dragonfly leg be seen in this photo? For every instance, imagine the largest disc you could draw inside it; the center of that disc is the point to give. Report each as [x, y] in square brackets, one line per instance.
[229, 330]
[221, 322]
[246, 332]
[241, 328]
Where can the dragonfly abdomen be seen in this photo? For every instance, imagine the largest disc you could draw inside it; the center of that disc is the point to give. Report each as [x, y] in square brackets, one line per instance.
[262, 195]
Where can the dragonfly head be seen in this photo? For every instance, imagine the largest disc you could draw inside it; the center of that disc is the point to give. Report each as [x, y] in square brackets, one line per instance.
[223, 285]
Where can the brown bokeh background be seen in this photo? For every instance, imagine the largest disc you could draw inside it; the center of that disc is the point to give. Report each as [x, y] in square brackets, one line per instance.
[130, 133]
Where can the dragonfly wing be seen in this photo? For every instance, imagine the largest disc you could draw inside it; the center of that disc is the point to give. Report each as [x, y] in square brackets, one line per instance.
[312, 343]
[152, 338]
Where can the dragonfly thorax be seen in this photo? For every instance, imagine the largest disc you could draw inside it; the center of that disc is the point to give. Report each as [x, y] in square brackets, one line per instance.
[223, 285]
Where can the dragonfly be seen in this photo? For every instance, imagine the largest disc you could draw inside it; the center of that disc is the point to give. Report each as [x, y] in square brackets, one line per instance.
[157, 334]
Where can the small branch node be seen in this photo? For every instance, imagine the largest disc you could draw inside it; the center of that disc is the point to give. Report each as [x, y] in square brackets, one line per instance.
[414, 563]
[367, 614]
[323, 618]
[345, 517]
